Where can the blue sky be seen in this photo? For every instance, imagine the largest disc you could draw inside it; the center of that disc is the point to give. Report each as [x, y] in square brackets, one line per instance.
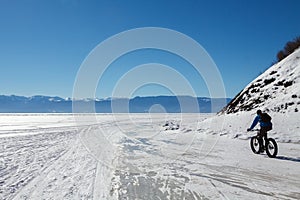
[43, 43]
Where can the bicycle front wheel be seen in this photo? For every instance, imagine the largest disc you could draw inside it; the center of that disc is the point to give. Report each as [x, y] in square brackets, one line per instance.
[271, 148]
[255, 145]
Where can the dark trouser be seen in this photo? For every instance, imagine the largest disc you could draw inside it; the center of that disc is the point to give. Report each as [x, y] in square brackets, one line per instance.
[263, 135]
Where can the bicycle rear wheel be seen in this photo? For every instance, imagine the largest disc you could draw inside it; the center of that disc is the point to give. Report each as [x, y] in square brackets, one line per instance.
[271, 148]
[254, 143]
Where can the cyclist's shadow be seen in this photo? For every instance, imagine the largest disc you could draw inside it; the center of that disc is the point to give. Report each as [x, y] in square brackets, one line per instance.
[288, 158]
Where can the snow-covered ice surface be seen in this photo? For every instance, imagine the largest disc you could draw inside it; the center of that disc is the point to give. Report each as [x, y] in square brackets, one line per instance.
[142, 156]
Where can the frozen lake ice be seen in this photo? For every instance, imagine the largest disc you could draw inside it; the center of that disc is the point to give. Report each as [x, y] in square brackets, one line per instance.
[137, 156]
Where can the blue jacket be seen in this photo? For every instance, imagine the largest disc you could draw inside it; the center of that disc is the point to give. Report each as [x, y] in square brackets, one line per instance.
[261, 123]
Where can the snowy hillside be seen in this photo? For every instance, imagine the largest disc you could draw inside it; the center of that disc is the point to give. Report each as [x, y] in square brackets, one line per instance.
[277, 92]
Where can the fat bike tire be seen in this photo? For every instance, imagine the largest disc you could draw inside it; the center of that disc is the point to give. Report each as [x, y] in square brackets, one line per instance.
[271, 148]
[254, 144]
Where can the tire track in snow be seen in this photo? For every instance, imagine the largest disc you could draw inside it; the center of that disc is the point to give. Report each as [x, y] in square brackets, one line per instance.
[68, 177]
[24, 157]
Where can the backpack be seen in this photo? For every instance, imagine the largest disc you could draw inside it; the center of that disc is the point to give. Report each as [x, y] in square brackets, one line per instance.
[265, 117]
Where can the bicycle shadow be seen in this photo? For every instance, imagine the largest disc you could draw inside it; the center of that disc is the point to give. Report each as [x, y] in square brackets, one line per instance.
[288, 158]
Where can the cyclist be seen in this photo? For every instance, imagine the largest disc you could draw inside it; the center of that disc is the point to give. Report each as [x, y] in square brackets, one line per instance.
[265, 125]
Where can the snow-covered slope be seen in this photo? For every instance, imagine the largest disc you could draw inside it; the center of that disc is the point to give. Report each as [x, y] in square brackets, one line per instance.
[277, 92]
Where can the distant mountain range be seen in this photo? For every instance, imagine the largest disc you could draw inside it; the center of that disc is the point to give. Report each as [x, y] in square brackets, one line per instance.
[169, 104]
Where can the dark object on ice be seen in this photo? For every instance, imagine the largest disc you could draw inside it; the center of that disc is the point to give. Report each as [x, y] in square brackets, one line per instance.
[171, 126]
